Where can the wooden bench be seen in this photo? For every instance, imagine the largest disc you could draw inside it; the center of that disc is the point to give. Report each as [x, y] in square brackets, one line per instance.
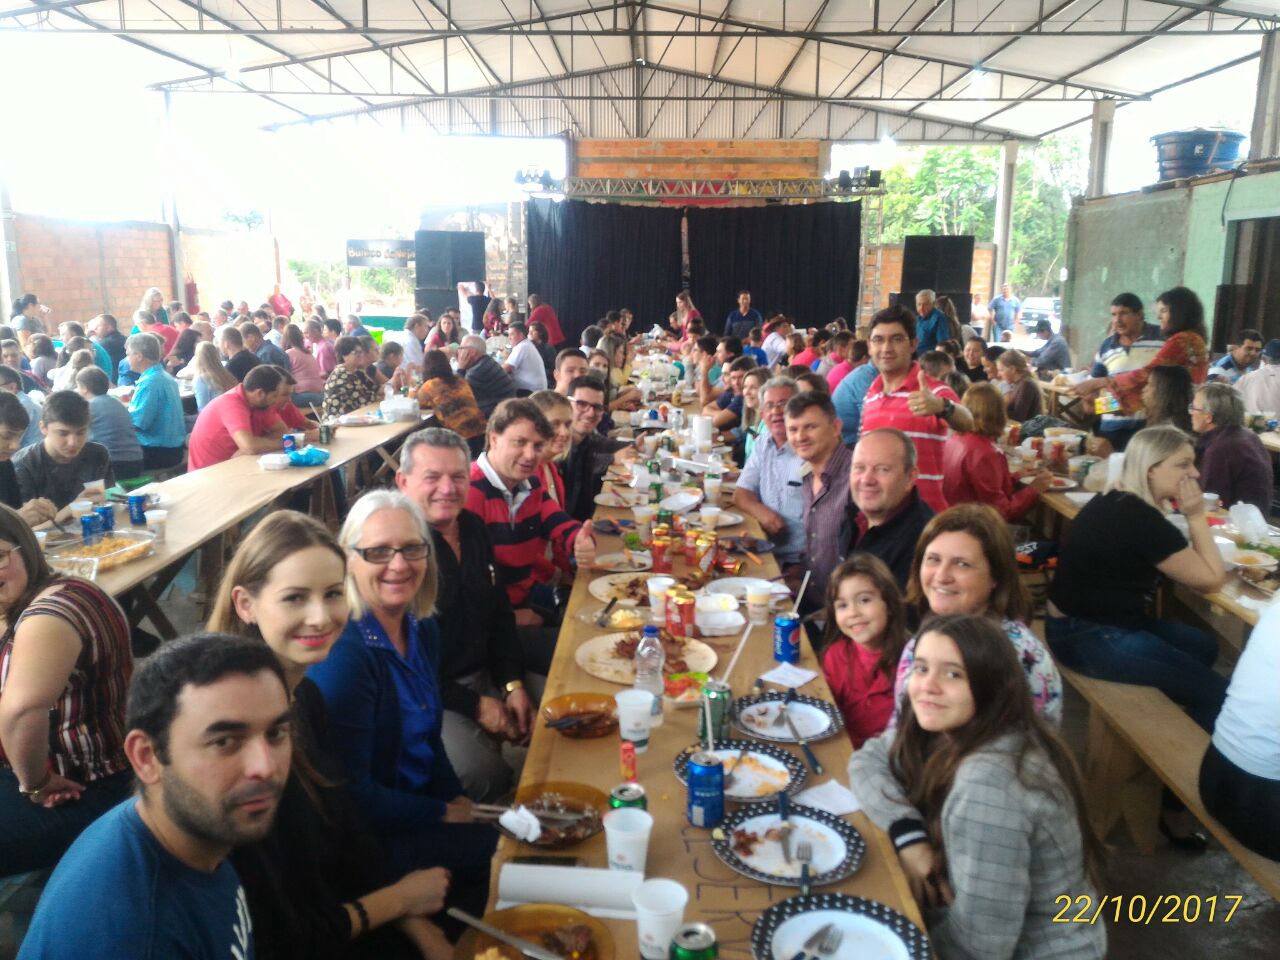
[1137, 739]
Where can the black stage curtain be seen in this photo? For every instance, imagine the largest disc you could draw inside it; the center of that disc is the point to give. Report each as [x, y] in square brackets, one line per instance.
[588, 258]
[800, 260]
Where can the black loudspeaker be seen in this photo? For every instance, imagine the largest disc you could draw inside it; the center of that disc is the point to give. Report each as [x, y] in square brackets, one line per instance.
[435, 299]
[937, 263]
[445, 258]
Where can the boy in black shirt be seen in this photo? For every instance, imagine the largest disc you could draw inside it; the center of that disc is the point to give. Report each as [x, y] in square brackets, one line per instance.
[67, 460]
[13, 424]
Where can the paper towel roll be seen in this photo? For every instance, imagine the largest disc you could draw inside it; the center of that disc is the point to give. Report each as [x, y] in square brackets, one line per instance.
[701, 428]
[601, 893]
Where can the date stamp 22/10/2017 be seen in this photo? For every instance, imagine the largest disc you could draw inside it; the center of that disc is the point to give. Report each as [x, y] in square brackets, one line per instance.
[1137, 908]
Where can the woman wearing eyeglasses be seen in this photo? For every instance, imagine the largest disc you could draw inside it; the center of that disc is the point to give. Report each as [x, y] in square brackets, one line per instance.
[65, 665]
[380, 684]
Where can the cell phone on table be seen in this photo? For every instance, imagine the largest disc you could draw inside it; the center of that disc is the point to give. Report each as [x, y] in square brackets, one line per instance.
[543, 861]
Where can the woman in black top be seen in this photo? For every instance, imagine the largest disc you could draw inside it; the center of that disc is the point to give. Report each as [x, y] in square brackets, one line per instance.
[1121, 543]
[318, 885]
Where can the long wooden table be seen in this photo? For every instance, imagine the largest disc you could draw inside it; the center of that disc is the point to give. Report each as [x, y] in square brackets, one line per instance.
[727, 901]
[205, 505]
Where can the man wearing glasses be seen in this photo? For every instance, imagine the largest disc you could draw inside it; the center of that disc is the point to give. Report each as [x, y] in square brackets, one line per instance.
[770, 486]
[903, 397]
[590, 452]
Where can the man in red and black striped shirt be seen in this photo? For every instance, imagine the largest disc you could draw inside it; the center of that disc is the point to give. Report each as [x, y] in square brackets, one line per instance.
[509, 497]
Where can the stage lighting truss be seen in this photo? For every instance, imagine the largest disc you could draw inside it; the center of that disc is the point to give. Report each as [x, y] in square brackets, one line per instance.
[861, 182]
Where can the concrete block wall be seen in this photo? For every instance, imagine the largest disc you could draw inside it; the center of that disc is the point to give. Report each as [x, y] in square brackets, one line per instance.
[700, 159]
[889, 264]
[83, 269]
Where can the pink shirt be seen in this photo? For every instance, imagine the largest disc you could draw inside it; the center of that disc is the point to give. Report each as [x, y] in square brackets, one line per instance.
[322, 350]
[306, 371]
[838, 373]
[863, 693]
[229, 413]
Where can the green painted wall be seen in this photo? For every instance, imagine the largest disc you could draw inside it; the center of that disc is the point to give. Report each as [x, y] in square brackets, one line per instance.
[1148, 242]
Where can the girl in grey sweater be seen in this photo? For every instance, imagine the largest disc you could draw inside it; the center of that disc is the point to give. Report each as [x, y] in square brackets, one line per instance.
[984, 804]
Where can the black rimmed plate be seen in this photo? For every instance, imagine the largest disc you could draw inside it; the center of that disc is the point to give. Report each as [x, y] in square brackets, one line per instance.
[814, 719]
[868, 929]
[748, 842]
[767, 771]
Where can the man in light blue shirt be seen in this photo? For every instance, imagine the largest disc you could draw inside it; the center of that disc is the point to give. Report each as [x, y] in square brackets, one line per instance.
[156, 407]
[932, 326]
[770, 488]
[848, 398]
[1006, 310]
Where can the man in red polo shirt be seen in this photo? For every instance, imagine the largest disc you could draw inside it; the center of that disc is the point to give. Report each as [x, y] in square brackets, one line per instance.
[244, 421]
[903, 397]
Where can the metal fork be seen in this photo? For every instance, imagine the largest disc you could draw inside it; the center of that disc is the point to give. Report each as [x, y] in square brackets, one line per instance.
[831, 942]
[804, 853]
[732, 775]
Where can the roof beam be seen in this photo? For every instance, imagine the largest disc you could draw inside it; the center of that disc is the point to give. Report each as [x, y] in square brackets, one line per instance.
[1223, 9]
[51, 7]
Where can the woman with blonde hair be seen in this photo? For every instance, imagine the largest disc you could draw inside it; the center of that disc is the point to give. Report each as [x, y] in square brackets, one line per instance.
[153, 302]
[77, 354]
[211, 378]
[973, 468]
[318, 885]
[685, 311]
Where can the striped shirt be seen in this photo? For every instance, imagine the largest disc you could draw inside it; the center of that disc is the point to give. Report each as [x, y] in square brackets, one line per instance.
[892, 410]
[521, 523]
[1114, 357]
[86, 722]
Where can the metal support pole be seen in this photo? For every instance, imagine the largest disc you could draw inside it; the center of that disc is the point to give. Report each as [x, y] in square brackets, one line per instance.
[1104, 117]
[1264, 139]
[169, 202]
[1004, 211]
[10, 274]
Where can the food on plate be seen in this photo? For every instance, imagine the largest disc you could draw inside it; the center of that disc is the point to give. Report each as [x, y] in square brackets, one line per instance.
[685, 687]
[626, 618]
[572, 940]
[672, 646]
[493, 953]
[745, 841]
[771, 778]
[110, 551]
[635, 589]
[557, 832]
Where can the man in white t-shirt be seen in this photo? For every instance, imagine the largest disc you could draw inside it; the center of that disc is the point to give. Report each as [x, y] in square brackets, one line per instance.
[524, 363]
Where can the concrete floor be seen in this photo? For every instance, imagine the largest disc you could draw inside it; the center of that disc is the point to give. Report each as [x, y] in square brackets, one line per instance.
[1252, 932]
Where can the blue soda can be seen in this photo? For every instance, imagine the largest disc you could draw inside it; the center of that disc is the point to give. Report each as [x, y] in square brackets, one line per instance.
[289, 442]
[138, 509]
[91, 527]
[786, 638]
[705, 807]
[107, 514]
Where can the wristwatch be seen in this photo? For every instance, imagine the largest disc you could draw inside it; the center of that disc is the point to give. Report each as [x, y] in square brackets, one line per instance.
[513, 685]
[948, 408]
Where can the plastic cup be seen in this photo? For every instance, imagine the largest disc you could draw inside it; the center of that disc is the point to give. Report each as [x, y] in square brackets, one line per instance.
[80, 507]
[650, 443]
[626, 835]
[709, 517]
[659, 914]
[644, 515]
[635, 717]
[711, 488]
[1212, 501]
[156, 522]
[687, 450]
[758, 602]
[658, 587]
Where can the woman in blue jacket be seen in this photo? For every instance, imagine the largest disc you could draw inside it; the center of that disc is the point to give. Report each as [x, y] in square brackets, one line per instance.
[380, 686]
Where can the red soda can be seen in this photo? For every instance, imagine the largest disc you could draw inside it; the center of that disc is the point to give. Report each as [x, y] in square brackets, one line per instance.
[660, 554]
[627, 756]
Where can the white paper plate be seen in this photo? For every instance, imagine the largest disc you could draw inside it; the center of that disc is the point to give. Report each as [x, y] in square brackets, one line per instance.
[605, 588]
[597, 658]
[1059, 483]
[621, 500]
[618, 562]
[869, 930]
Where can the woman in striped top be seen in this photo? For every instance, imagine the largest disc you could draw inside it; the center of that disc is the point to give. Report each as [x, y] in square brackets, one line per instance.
[65, 664]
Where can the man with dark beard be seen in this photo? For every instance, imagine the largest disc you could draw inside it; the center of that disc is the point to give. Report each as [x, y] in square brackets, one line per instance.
[209, 742]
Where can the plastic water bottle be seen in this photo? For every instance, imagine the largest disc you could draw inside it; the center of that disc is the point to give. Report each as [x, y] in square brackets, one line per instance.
[649, 662]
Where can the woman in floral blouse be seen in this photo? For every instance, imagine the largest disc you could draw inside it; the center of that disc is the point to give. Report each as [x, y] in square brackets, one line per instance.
[451, 401]
[349, 386]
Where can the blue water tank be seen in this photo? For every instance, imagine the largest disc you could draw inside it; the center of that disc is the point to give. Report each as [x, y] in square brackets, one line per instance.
[1192, 153]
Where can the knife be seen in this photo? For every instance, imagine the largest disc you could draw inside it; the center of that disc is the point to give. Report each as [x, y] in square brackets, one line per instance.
[784, 814]
[604, 614]
[524, 946]
[814, 765]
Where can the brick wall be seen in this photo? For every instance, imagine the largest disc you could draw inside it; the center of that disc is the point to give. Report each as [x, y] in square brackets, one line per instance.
[230, 266]
[890, 273]
[700, 159]
[83, 269]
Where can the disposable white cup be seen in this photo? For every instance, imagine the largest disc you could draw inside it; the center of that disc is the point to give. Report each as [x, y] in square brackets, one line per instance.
[626, 835]
[80, 507]
[659, 914]
[635, 717]
[711, 487]
[687, 450]
[658, 587]
[709, 516]
[1211, 501]
[650, 443]
[758, 602]
[156, 522]
[644, 515]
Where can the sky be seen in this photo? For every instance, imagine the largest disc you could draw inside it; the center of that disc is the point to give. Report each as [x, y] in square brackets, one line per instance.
[96, 134]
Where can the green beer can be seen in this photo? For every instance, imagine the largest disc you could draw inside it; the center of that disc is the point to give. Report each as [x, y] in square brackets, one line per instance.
[695, 941]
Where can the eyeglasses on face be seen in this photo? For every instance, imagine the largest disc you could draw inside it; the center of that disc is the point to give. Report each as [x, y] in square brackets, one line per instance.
[584, 406]
[6, 557]
[1192, 408]
[383, 555]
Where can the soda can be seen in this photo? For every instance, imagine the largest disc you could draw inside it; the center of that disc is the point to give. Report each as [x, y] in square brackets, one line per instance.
[289, 442]
[719, 698]
[660, 554]
[786, 638]
[705, 806]
[691, 545]
[627, 761]
[655, 492]
[695, 941]
[628, 795]
[326, 434]
[91, 527]
[664, 516]
[680, 610]
[107, 514]
[138, 509]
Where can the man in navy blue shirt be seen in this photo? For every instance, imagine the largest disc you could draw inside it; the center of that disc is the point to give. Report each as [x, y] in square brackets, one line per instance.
[209, 741]
[739, 322]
